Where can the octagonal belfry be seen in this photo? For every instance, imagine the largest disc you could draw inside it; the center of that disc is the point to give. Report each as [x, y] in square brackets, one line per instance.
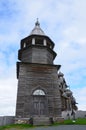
[39, 97]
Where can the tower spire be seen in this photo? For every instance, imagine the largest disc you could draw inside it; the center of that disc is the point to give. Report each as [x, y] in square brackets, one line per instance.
[37, 30]
[37, 23]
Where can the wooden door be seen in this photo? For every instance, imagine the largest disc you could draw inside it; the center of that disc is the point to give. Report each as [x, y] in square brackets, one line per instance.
[39, 105]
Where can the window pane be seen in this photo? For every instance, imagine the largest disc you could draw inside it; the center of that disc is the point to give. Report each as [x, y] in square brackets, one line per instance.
[38, 92]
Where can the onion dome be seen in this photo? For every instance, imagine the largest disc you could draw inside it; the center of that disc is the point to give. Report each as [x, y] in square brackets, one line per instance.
[68, 93]
[60, 74]
[64, 95]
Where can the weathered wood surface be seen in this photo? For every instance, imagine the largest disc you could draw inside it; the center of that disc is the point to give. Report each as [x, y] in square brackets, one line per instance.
[34, 76]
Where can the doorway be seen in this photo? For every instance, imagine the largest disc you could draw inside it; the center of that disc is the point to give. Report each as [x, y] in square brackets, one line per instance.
[39, 103]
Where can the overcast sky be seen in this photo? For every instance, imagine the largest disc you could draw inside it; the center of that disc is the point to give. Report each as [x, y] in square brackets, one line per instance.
[64, 21]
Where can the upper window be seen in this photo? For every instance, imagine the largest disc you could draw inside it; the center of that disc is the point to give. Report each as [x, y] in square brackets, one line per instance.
[24, 45]
[38, 92]
[38, 41]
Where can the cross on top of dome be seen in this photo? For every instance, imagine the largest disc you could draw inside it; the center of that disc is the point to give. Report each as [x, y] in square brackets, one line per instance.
[37, 23]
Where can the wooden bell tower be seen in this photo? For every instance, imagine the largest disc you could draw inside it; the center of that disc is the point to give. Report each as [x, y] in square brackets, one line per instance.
[38, 91]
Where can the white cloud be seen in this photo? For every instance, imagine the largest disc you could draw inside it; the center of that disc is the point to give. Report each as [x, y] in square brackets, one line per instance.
[8, 90]
[80, 94]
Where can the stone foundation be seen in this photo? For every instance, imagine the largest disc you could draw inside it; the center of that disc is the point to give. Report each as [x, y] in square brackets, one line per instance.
[58, 119]
[22, 120]
[42, 120]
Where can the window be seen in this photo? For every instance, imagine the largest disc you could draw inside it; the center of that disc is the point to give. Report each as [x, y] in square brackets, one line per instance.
[45, 43]
[38, 41]
[38, 92]
[24, 45]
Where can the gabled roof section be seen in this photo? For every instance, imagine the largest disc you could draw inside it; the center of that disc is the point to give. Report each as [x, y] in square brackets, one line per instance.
[37, 30]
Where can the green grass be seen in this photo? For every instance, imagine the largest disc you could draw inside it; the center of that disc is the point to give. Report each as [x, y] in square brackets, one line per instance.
[78, 121]
[18, 126]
